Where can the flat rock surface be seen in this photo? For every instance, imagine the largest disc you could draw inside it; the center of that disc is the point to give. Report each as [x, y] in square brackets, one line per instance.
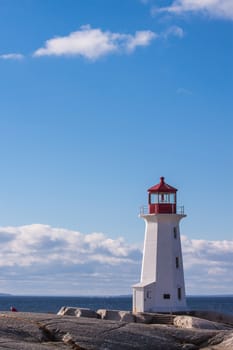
[49, 331]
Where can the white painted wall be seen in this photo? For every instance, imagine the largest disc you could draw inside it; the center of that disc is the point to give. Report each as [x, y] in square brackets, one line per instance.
[143, 297]
[159, 273]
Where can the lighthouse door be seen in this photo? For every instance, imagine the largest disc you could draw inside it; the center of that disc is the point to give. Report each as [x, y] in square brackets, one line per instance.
[148, 303]
[139, 300]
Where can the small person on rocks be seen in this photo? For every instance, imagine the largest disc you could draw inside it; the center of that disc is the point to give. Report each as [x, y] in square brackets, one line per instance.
[13, 309]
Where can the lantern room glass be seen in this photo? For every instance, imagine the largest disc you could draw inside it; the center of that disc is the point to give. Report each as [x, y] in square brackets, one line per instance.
[156, 198]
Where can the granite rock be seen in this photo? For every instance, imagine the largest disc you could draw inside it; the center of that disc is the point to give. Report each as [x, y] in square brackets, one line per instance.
[24, 331]
[116, 315]
[78, 312]
[195, 322]
[67, 310]
[142, 317]
[213, 316]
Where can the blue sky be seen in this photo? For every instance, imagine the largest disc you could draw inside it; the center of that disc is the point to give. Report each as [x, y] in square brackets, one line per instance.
[98, 100]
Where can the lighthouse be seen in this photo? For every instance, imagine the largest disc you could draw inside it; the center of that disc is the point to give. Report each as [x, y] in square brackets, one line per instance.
[162, 287]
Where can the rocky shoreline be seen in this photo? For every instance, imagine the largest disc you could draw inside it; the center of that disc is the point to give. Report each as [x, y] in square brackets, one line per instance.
[82, 329]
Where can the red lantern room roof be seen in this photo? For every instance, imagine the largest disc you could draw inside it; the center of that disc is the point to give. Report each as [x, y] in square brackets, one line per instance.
[162, 187]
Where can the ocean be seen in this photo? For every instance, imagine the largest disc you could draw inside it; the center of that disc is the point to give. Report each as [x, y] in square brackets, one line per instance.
[52, 304]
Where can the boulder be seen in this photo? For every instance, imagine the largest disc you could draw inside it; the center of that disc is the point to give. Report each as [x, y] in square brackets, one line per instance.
[126, 316]
[194, 322]
[228, 342]
[85, 312]
[213, 316]
[109, 314]
[77, 311]
[116, 315]
[67, 310]
[142, 317]
[220, 342]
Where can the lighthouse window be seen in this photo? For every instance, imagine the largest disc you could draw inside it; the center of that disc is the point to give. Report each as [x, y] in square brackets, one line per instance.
[172, 198]
[175, 232]
[166, 296]
[153, 198]
[179, 293]
[177, 262]
[164, 198]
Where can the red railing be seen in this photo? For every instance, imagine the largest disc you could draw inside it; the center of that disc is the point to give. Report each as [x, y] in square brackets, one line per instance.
[144, 210]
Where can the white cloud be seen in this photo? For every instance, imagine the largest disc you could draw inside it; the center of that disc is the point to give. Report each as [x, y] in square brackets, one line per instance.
[11, 56]
[214, 8]
[35, 253]
[26, 245]
[40, 259]
[208, 265]
[173, 31]
[141, 38]
[94, 43]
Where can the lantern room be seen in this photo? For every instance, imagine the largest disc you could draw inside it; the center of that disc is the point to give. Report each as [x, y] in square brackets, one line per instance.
[162, 198]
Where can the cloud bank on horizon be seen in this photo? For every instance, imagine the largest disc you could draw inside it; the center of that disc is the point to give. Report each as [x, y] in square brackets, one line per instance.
[40, 259]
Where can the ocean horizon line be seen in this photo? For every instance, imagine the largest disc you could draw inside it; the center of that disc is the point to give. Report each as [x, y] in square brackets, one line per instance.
[103, 296]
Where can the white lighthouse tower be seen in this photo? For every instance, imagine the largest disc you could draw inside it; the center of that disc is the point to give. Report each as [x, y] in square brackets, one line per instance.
[162, 287]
